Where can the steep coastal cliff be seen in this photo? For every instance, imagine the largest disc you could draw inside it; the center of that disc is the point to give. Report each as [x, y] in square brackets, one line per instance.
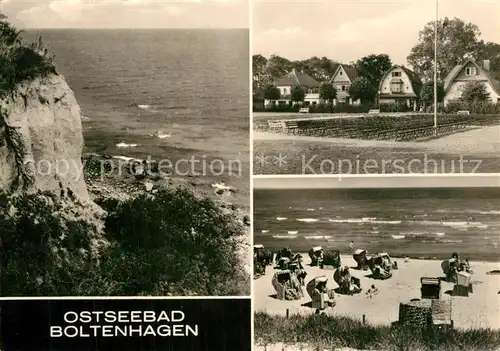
[47, 117]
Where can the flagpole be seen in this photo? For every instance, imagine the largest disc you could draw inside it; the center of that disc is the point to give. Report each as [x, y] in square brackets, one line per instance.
[435, 68]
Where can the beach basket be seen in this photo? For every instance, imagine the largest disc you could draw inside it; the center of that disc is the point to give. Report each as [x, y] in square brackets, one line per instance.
[430, 288]
[463, 278]
[441, 311]
[417, 313]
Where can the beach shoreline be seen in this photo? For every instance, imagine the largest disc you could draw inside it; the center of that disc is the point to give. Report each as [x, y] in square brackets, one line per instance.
[480, 309]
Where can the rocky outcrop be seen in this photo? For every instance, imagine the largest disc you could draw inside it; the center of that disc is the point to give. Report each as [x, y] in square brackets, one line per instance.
[47, 117]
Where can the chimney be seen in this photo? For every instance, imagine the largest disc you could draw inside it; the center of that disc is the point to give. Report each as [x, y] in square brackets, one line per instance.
[486, 65]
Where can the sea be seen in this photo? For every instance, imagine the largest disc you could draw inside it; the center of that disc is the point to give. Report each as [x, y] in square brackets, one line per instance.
[176, 95]
[417, 223]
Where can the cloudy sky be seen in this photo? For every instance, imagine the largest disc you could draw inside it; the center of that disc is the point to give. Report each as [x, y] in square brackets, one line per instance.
[376, 181]
[127, 13]
[348, 30]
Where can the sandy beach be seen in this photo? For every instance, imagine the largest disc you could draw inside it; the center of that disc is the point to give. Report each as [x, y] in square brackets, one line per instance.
[480, 310]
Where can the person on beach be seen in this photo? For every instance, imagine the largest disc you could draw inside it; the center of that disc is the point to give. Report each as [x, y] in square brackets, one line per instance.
[351, 246]
[372, 291]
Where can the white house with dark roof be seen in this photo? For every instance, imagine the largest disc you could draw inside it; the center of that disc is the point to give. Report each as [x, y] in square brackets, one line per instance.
[341, 80]
[468, 71]
[400, 85]
[297, 78]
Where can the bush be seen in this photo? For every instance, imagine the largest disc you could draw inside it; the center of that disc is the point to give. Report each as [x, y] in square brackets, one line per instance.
[395, 107]
[45, 248]
[171, 243]
[20, 62]
[473, 107]
[174, 243]
[278, 108]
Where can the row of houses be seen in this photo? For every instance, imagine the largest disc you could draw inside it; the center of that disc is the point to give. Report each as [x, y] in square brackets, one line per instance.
[398, 85]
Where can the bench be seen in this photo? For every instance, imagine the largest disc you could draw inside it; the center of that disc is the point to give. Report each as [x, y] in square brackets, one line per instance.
[373, 112]
[463, 112]
[291, 126]
[304, 110]
[276, 126]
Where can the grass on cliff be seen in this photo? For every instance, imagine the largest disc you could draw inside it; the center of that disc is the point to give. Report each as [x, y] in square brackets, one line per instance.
[20, 61]
[173, 243]
[331, 332]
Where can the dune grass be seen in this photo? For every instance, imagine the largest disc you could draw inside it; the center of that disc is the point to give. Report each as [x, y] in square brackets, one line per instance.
[331, 332]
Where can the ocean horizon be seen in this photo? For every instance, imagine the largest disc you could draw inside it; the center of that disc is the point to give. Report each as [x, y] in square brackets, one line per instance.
[164, 94]
[418, 223]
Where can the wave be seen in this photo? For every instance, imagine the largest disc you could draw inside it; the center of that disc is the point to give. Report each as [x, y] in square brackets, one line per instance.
[495, 212]
[307, 220]
[453, 224]
[318, 237]
[486, 212]
[264, 231]
[161, 135]
[293, 231]
[127, 159]
[223, 186]
[397, 237]
[281, 218]
[125, 145]
[284, 236]
[311, 209]
[440, 234]
[143, 107]
[364, 220]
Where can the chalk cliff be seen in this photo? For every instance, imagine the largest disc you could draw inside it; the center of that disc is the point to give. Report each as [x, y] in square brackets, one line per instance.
[47, 117]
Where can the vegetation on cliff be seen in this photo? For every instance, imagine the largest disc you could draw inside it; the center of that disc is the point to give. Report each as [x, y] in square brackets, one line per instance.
[19, 62]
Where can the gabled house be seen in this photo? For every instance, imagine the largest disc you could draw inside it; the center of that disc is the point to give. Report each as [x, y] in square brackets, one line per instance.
[400, 85]
[341, 80]
[461, 74]
[297, 78]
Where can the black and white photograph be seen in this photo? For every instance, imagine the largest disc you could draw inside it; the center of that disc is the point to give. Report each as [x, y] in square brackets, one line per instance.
[373, 87]
[377, 263]
[124, 148]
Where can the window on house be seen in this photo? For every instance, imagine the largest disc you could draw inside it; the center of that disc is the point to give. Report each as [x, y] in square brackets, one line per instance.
[340, 73]
[284, 91]
[396, 74]
[344, 88]
[470, 71]
[396, 87]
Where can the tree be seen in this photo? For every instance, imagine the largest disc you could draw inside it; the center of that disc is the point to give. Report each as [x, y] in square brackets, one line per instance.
[363, 90]
[427, 93]
[297, 94]
[271, 92]
[320, 69]
[277, 66]
[457, 41]
[475, 91]
[491, 51]
[259, 64]
[327, 92]
[373, 67]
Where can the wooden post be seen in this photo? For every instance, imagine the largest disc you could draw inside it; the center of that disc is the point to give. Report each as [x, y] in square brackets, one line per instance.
[364, 319]
[287, 313]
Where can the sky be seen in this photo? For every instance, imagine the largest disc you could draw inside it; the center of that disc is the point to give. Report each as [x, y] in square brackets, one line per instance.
[127, 13]
[376, 181]
[348, 30]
